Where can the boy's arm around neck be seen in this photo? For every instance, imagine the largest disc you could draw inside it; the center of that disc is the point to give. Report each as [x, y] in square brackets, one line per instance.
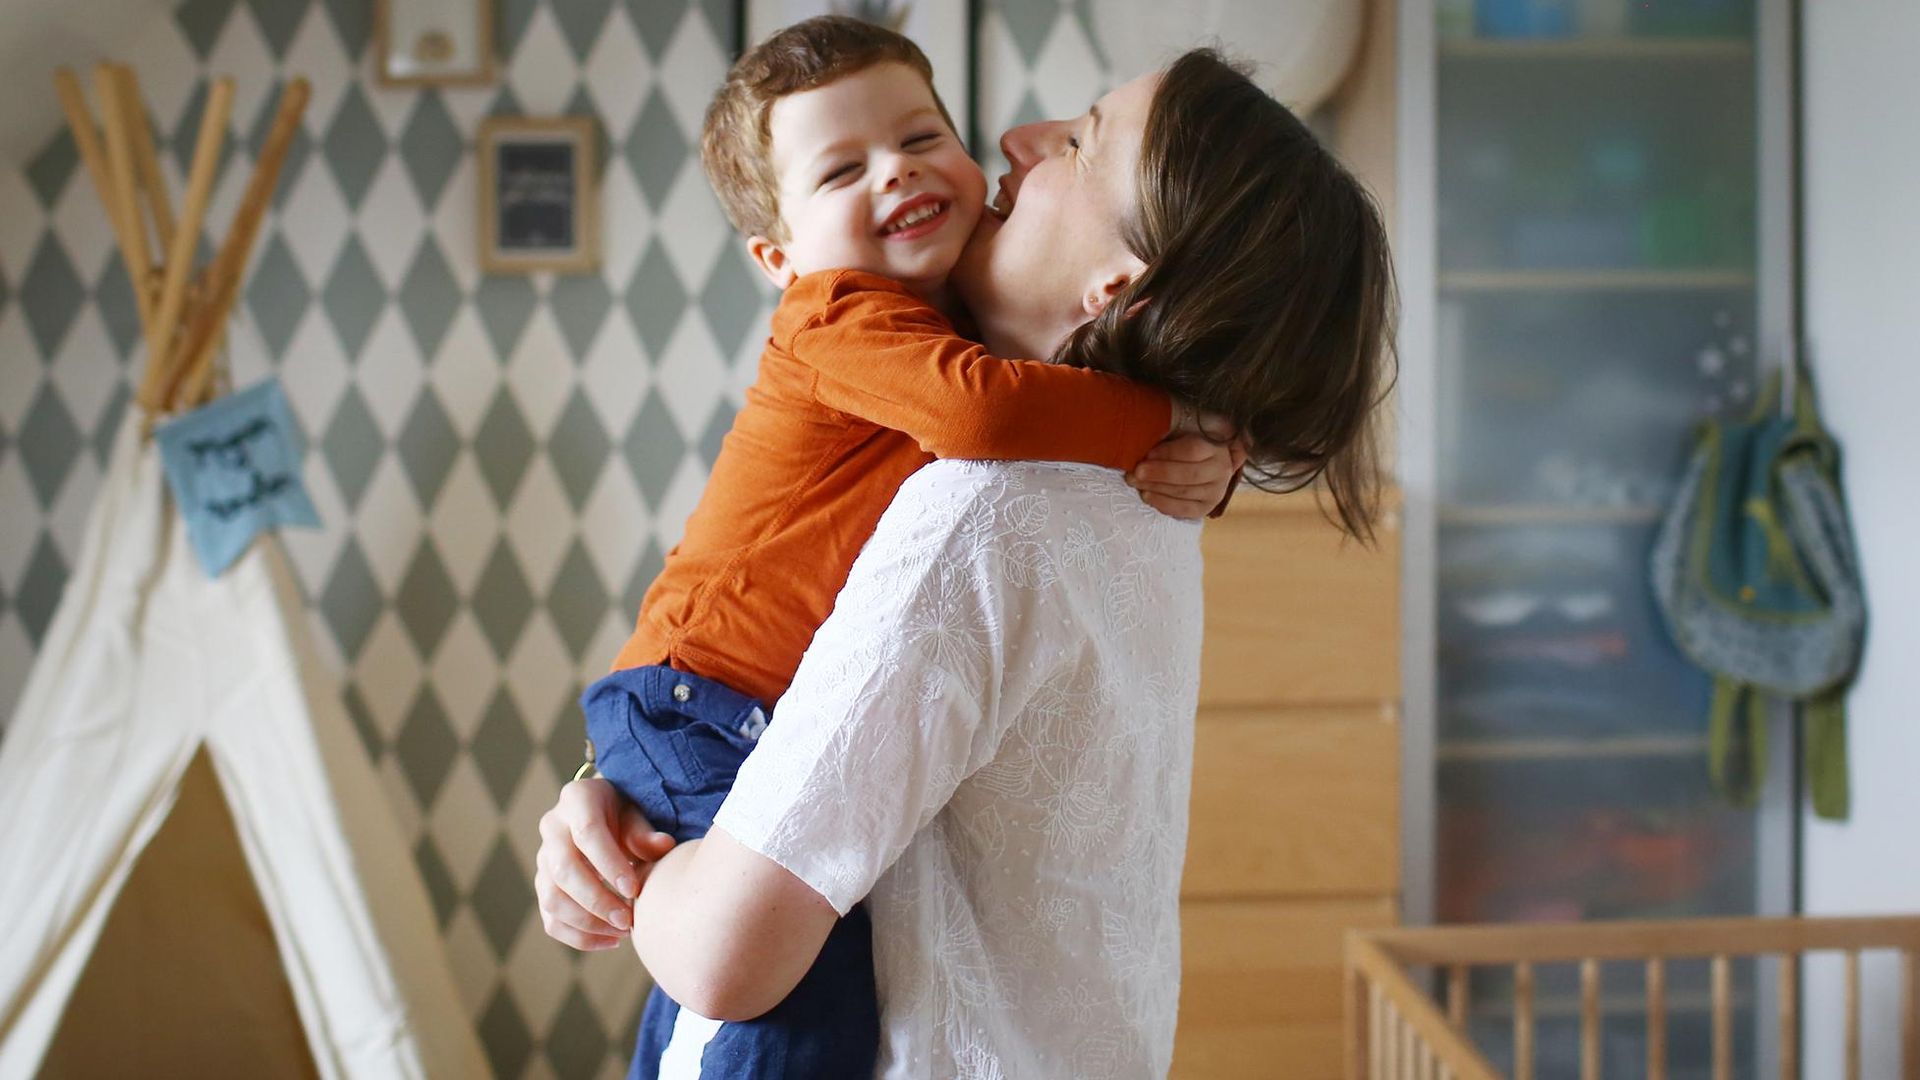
[879, 353]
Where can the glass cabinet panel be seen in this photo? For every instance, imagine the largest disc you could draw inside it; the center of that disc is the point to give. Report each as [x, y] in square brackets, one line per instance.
[1598, 286]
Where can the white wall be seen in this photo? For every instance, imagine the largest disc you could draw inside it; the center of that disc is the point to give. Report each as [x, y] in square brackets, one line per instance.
[1862, 177]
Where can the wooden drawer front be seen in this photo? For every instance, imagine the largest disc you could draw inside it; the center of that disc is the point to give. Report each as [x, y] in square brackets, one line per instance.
[1295, 618]
[1260, 994]
[1295, 803]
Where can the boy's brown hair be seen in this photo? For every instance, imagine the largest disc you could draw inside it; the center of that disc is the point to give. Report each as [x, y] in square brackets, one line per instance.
[1268, 295]
[736, 145]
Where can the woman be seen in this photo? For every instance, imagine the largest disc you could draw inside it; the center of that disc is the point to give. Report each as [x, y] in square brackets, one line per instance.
[1252, 279]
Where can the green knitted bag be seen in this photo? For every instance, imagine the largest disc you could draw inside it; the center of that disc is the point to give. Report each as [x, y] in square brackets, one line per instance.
[1755, 572]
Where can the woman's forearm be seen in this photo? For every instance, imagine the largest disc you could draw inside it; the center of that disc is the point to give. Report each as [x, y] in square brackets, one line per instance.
[725, 931]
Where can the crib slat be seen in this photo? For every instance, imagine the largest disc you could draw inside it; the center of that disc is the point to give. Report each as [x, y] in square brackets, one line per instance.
[1853, 1014]
[1790, 1016]
[1589, 1019]
[1523, 1021]
[1722, 1018]
[1376, 1033]
[1656, 1019]
[1392, 1040]
[1457, 994]
[1410, 1061]
[1909, 1022]
[1359, 1011]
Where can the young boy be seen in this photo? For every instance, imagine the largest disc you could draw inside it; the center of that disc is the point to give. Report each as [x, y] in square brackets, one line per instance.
[838, 163]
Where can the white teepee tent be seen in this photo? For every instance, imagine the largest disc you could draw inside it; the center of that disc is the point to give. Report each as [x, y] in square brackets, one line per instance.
[149, 671]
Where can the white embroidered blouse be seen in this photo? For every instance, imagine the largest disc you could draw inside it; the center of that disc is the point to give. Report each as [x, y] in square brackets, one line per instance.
[991, 741]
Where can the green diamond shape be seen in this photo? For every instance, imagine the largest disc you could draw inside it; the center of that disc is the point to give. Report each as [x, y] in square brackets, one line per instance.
[429, 297]
[431, 148]
[653, 448]
[428, 444]
[577, 1045]
[50, 442]
[426, 600]
[354, 296]
[501, 748]
[354, 145]
[441, 891]
[503, 447]
[580, 303]
[503, 897]
[508, 1042]
[578, 600]
[581, 22]
[655, 301]
[50, 294]
[426, 747]
[51, 168]
[40, 588]
[656, 149]
[578, 448]
[502, 601]
[352, 445]
[277, 295]
[351, 601]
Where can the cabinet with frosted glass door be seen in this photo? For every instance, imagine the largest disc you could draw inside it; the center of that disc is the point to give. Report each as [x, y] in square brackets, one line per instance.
[1597, 270]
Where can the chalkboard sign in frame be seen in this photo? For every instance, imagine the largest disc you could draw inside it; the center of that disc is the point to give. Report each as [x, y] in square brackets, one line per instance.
[539, 195]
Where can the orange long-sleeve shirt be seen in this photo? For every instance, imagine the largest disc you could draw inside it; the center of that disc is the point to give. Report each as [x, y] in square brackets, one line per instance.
[860, 385]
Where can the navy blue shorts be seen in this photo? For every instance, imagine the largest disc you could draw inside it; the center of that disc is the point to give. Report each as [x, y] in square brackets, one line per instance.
[672, 743]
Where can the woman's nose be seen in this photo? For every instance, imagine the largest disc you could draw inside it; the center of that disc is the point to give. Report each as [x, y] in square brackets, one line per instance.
[1028, 143]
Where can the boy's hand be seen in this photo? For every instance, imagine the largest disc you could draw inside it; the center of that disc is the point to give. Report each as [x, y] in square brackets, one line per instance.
[1190, 473]
[595, 852]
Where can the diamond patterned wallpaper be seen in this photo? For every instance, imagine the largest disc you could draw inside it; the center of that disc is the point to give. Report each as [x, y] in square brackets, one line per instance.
[500, 462]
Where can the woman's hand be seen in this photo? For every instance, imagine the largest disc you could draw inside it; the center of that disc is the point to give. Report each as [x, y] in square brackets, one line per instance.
[595, 852]
[1189, 474]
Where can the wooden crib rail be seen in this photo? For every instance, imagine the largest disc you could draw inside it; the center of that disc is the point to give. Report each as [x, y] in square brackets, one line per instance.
[1395, 1032]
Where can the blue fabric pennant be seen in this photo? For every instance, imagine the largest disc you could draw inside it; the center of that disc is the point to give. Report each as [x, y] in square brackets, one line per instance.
[234, 467]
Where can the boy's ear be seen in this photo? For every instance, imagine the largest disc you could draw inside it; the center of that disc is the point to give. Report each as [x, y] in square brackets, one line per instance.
[772, 261]
[1110, 284]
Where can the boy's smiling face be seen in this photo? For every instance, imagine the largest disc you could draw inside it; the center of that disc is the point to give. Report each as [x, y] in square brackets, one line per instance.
[870, 178]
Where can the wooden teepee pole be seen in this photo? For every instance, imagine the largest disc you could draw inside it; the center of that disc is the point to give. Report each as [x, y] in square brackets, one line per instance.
[144, 157]
[223, 282]
[94, 155]
[120, 170]
[162, 369]
[183, 314]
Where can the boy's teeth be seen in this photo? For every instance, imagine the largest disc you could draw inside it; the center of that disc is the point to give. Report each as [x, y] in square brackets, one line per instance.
[915, 217]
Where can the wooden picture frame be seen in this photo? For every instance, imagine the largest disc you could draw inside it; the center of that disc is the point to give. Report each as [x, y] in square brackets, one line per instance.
[432, 42]
[944, 30]
[539, 195]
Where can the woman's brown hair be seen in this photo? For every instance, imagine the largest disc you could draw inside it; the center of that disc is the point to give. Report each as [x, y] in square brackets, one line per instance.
[1268, 295]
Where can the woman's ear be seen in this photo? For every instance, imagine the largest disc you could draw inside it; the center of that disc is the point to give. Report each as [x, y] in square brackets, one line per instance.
[1110, 284]
[772, 260]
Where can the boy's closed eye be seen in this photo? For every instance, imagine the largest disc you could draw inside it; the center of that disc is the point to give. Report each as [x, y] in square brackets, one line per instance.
[844, 172]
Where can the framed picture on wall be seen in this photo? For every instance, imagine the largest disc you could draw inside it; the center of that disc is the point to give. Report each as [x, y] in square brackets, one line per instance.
[432, 42]
[943, 29]
[538, 195]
